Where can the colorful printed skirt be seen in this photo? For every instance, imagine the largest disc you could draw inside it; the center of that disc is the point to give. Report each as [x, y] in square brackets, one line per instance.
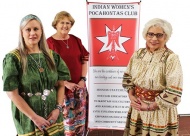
[75, 112]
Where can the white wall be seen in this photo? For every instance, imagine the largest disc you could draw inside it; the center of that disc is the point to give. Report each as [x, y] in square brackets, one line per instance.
[11, 12]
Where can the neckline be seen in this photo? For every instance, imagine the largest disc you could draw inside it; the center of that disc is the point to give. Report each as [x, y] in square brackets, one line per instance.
[61, 39]
[157, 50]
[34, 53]
[37, 62]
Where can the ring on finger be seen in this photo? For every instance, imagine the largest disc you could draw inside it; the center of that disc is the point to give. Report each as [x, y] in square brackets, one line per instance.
[43, 127]
[51, 121]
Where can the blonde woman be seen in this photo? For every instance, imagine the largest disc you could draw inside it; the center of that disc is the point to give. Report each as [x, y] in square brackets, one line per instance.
[33, 79]
[76, 57]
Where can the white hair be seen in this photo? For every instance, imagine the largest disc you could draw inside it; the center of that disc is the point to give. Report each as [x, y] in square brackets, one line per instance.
[157, 22]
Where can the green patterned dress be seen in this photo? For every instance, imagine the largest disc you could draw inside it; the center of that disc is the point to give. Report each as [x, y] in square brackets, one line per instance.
[31, 87]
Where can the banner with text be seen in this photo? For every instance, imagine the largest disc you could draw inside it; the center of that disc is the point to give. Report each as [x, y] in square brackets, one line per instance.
[113, 37]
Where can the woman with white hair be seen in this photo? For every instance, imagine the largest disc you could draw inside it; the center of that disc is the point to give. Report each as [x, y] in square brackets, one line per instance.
[154, 82]
[33, 79]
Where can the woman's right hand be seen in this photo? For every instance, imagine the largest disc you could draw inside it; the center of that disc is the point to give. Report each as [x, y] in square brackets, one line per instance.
[71, 86]
[25, 109]
[41, 123]
[135, 103]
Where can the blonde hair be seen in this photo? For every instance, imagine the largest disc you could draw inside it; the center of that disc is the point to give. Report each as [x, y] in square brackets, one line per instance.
[61, 15]
[42, 44]
[157, 22]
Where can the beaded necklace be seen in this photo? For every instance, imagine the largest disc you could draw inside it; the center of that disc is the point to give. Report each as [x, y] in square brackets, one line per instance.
[38, 64]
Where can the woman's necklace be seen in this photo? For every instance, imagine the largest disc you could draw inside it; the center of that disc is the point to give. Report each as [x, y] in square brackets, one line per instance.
[67, 46]
[38, 64]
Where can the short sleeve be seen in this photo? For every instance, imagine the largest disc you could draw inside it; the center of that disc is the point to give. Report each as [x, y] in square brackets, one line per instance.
[10, 72]
[84, 52]
[62, 69]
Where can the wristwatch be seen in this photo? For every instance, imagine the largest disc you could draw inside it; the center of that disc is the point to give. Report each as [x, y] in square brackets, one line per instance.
[83, 78]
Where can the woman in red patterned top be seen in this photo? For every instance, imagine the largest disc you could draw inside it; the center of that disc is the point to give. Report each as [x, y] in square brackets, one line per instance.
[71, 50]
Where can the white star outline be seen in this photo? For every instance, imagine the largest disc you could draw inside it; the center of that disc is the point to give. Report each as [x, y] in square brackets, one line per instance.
[117, 44]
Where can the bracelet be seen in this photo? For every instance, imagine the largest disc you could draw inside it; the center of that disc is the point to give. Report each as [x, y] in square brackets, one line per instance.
[152, 107]
[148, 107]
[59, 107]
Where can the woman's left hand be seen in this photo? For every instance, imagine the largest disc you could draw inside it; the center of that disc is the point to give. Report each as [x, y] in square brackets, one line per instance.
[81, 83]
[144, 106]
[52, 118]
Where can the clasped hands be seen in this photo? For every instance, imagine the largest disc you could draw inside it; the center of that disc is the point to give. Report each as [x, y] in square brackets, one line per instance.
[72, 86]
[139, 105]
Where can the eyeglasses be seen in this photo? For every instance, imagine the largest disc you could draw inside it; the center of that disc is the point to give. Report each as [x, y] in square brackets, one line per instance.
[158, 35]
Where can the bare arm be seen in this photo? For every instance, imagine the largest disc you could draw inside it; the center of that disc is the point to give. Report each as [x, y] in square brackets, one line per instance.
[24, 108]
[60, 92]
[81, 83]
[60, 97]
[83, 73]
[84, 68]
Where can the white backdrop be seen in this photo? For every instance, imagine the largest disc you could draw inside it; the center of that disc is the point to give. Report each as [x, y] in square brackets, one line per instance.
[11, 12]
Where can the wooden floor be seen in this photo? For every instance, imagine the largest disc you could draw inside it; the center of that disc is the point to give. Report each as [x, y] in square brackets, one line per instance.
[184, 129]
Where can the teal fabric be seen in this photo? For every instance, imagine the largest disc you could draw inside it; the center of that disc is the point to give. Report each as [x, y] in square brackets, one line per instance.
[33, 82]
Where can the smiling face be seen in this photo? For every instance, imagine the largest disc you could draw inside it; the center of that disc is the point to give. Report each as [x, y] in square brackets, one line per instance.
[155, 38]
[31, 33]
[64, 26]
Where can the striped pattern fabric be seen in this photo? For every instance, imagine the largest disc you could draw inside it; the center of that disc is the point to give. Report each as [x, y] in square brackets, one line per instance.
[160, 70]
[53, 129]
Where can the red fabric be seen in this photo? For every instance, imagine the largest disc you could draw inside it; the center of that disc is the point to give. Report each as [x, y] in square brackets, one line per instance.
[72, 56]
[74, 122]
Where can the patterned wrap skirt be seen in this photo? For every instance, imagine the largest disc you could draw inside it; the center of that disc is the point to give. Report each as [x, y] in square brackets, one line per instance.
[75, 112]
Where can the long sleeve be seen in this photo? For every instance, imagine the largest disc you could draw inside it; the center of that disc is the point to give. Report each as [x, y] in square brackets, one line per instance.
[127, 82]
[171, 96]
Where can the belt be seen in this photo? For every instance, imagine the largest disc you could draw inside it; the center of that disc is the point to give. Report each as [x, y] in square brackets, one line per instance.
[43, 95]
[146, 94]
[46, 92]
